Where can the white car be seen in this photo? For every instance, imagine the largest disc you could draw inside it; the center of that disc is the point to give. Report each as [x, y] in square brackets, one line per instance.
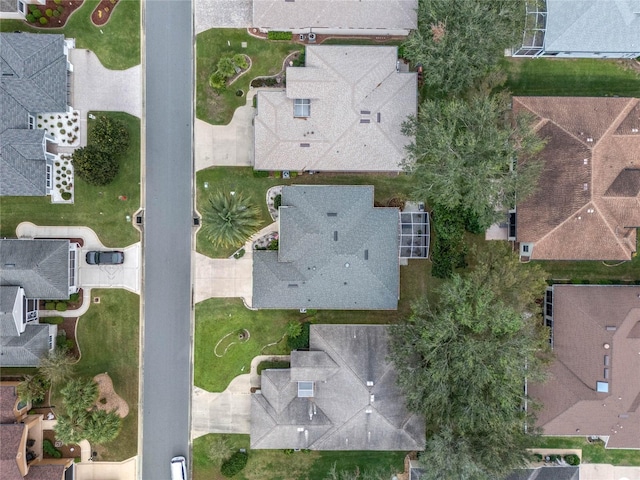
[178, 468]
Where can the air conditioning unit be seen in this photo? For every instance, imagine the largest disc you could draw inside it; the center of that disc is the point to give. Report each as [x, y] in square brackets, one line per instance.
[312, 37]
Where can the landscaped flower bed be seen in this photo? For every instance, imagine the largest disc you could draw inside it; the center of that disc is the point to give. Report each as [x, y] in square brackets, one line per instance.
[53, 14]
[62, 191]
[63, 127]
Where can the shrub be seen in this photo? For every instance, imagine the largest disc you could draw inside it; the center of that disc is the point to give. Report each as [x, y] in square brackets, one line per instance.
[57, 2]
[299, 62]
[293, 174]
[33, 8]
[109, 135]
[66, 195]
[275, 35]
[43, 20]
[50, 305]
[301, 341]
[239, 254]
[59, 124]
[52, 320]
[50, 450]
[277, 174]
[240, 61]
[95, 166]
[60, 9]
[31, 19]
[217, 81]
[48, 12]
[273, 245]
[226, 68]
[62, 131]
[554, 458]
[234, 464]
[294, 329]
[572, 459]
[74, 297]
[277, 201]
[36, 13]
[260, 173]
[61, 306]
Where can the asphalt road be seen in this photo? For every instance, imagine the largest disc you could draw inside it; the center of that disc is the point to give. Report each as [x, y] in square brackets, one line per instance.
[166, 391]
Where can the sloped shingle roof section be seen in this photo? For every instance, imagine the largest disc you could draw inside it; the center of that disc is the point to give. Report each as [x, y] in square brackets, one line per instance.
[40, 267]
[593, 342]
[336, 251]
[27, 349]
[587, 205]
[592, 26]
[358, 102]
[355, 406]
[23, 166]
[335, 14]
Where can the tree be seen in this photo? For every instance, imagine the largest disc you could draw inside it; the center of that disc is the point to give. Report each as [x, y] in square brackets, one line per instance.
[57, 366]
[458, 42]
[33, 388]
[79, 394]
[462, 364]
[102, 426]
[357, 474]
[229, 220]
[109, 135]
[463, 156]
[226, 68]
[219, 450]
[95, 166]
[70, 428]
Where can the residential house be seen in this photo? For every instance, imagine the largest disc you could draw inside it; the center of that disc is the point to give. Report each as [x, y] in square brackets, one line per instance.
[581, 29]
[593, 387]
[587, 204]
[31, 270]
[341, 394]
[337, 17]
[336, 251]
[21, 453]
[16, 9]
[35, 70]
[417, 471]
[342, 112]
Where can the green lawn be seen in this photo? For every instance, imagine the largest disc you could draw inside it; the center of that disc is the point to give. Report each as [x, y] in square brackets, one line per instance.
[593, 272]
[571, 77]
[266, 57]
[591, 453]
[276, 465]
[96, 207]
[117, 44]
[108, 336]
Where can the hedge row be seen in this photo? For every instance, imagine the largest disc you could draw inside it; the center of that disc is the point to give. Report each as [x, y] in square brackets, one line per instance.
[275, 35]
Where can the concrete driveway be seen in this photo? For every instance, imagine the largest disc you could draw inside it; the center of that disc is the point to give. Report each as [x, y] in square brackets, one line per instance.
[608, 472]
[126, 470]
[222, 14]
[224, 277]
[225, 412]
[226, 145]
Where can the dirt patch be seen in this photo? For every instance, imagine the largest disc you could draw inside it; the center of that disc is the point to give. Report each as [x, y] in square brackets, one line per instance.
[102, 13]
[56, 13]
[68, 451]
[108, 399]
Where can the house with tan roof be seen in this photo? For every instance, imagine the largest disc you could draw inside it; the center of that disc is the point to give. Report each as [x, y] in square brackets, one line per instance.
[341, 394]
[342, 112]
[587, 204]
[594, 385]
[341, 17]
[21, 440]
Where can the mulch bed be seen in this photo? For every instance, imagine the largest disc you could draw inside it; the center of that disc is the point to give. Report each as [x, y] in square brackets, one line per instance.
[321, 38]
[101, 14]
[68, 7]
[64, 449]
[69, 327]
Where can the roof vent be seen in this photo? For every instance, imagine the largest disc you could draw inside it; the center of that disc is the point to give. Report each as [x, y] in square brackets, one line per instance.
[611, 328]
[379, 117]
[300, 429]
[369, 383]
[606, 360]
[586, 161]
[368, 410]
[372, 398]
[335, 236]
[606, 346]
[305, 144]
[585, 186]
[332, 214]
[606, 373]
[634, 130]
[366, 254]
[589, 139]
[365, 120]
[292, 285]
[365, 112]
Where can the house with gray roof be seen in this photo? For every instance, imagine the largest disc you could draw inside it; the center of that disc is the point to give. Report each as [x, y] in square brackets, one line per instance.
[34, 79]
[337, 17]
[581, 29]
[341, 394]
[16, 9]
[336, 251]
[342, 112]
[31, 270]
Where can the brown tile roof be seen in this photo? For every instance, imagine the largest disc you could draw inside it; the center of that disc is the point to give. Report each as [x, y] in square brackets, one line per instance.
[587, 206]
[10, 438]
[586, 320]
[8, 399]
[45, 472]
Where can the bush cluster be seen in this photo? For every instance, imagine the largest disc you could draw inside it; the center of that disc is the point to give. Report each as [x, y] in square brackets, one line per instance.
[572, 459]
[52, 320]
[277, 202]
[447, 246]
[50, 450]
[301, 341]
[275, 35]
[61, 306]
[234, 464]
[227, 67]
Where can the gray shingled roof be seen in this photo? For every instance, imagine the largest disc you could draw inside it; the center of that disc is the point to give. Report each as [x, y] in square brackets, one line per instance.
[344, 261]
[546, 473]
[7, 301]
[335, 14]
[27, 349]
[40, 267]
[33, 79]
[592, 26]
[344, 413]
[358, 102]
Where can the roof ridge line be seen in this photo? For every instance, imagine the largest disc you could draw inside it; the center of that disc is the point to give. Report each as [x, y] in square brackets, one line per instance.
[615, 235]
[624, 113]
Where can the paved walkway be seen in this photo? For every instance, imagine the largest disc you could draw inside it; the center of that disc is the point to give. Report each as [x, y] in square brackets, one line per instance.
[225, 412]
[222, 14]
[126, 470]
[226, 145]
[125, 276]
[608, 472]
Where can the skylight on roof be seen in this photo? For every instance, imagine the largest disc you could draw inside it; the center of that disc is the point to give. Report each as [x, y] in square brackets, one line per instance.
[305, 389]
[602, 387]
[301, 107]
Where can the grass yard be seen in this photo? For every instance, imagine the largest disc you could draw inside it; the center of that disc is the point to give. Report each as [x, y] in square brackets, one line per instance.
[571, 77]
[591, 453]
[108, 336]
[593, 272]
[96, 207]
[243, 180]
[276, 465]
[211, 45]
[105, 41]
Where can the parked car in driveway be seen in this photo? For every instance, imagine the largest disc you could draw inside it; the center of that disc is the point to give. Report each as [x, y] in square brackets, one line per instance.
[105, 258]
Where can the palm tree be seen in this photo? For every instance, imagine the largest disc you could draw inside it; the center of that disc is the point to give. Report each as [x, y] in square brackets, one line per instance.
[33, 388]
[57, 366]
[229, 219]
[79, 394]
[102, 426]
